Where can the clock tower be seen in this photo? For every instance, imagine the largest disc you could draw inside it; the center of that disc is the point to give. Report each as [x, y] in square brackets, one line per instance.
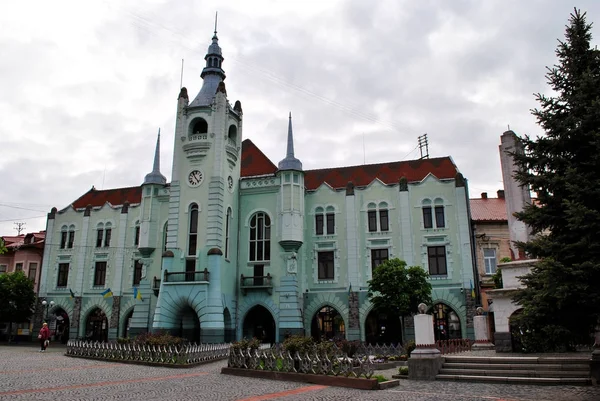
[203, 205]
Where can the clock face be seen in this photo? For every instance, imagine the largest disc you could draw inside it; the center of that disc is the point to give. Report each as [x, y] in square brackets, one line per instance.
[230, 183]
[195, 178]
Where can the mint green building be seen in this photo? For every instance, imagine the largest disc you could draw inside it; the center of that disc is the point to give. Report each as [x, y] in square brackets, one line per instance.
[236, 246]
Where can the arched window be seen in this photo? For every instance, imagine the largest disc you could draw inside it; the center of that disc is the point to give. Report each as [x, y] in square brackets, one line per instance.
[427, 214]
[99, 235]
[136, 235]
[440, 218]
[429, 219]
[200, 126]
[193, 230]
[227, 228]
[319, 221]
[63, 237]
[165, 232]
[71, 239]
[378, 217]
[232, 134]
[260, 237]
[107, 234]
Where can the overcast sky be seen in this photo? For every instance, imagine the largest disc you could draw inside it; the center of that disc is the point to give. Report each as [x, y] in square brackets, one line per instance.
[85, 86]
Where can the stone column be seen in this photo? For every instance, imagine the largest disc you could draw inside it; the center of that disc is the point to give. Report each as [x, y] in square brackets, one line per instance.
[482, 341]
[74, 330]
[426, 360]
[212, 324]
[353, 332]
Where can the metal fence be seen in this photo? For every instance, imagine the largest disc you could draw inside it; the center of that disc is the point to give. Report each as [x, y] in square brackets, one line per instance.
[163, 354]
[454, 346]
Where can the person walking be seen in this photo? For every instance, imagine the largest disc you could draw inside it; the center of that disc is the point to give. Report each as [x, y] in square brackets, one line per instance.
[44, 337]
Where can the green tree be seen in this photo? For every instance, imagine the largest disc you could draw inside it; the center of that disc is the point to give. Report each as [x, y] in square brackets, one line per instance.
[398, 288]
[17, 298]
[561, 304]
[2, 246]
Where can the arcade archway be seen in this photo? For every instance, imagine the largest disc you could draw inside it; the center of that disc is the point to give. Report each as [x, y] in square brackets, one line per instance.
[328, 324]
[96, 326]
[383, 327]
[188, 325]
[446, 323]
[61, 325]
[259, 323]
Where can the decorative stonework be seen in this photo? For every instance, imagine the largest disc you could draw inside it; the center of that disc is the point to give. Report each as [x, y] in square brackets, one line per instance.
[116, 308]
[76, 312]
[354, 311]
[260, 183]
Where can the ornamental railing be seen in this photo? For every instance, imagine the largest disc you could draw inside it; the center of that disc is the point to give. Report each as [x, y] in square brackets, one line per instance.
[256, 282]
[332, 362]
[160, 354]
[454, 346]
[182, 277]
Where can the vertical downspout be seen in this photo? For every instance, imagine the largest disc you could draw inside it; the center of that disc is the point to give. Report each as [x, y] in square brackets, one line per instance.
[473, 247]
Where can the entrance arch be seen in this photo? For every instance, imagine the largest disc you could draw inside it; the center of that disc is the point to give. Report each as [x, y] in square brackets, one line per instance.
[62, 325]
[126, 324]
[188, 324]
[446, 323]
[229, 330]
[328, 324]
[383, 327]
[96, 326]
[259, 323]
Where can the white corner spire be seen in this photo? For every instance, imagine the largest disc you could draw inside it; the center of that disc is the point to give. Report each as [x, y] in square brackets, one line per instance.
[155, 177]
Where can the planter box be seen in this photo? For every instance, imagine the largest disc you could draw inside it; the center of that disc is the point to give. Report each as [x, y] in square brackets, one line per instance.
[389, 384]
[338, 381]
[389, 365]
[400, 377]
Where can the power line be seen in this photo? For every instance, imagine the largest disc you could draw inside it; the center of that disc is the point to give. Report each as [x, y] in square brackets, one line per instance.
[21, 208]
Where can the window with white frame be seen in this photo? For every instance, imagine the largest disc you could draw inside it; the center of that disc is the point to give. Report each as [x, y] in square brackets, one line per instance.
[193, 230]
[326, 265]
[260, 237]
[325, 221]
[434, 215]
[63, 237]
[136, 234]
[378, 217]
[165, 232]
[71, 239]
[378, 256]
[489, 260]
[63, 275]
[100, 274]
[32, 271]
[227, 229]
[436, 257]
[107, 234]
[19, 267]
[3, 269]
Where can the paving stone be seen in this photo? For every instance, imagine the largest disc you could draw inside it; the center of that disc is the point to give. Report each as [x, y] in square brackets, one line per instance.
[26, 374]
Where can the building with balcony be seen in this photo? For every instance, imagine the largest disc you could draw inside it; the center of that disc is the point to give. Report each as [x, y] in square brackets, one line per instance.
[238, 246]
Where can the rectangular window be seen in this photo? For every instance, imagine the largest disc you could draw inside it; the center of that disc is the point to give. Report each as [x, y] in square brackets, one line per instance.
[107, 237]
[227, 218]
[19, 267]
[440, 221]
[378, 256]
[427, 217]
[259, 272]
[99, 236]
[326, 265]
[71, 239]
[136, 238]
[137, 272]
[384, 223]
[489, 259]
[330, 223]
[296, 179]
[190, 268]
[100, 274]
[32, 271]
[3, 269]
[63, 239]
[372, 220]
[319, 224]
[63, 275]
[437, 260]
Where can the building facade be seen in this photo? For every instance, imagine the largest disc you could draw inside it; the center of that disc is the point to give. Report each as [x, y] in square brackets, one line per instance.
[235, 246]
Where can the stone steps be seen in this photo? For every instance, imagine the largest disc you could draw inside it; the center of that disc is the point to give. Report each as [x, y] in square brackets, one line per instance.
[524, 370]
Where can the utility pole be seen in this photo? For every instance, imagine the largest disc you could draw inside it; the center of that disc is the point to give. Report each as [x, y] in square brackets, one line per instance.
[19, 227]
[423, 144]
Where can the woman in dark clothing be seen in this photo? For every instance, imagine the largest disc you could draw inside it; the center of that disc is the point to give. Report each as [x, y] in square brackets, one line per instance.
[44, 336]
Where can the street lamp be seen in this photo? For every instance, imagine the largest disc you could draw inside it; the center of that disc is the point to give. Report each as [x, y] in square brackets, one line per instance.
[47, 306]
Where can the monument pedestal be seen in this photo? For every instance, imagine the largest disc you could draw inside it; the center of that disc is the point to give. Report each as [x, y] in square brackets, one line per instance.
[426, 360]
[480, 324]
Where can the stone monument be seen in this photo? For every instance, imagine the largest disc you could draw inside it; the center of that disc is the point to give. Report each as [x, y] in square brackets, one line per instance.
[482, 341]
[426, 360]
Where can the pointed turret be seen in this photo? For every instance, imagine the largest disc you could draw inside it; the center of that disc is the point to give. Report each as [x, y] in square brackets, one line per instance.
[155, 177]
[212, 74]
[290, 162]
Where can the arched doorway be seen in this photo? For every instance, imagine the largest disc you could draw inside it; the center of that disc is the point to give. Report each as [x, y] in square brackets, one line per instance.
[188, 325]
[228, 335]
[383, 327]
[328, 324]
[96, 326]
[61, 325]
[516, 331]
[126, 324]
[259, 323]
[446, 324]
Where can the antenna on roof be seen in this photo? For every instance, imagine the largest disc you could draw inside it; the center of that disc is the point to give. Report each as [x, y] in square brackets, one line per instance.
[216, 15]
[19, 226]
[423, 144]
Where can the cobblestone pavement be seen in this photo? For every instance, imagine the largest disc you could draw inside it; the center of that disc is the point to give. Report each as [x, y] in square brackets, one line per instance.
[26, 374]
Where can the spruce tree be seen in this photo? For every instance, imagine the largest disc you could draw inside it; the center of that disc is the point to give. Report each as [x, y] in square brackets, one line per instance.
[561, 304]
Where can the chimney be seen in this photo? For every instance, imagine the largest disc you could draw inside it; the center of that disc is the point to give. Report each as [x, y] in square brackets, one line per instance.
[500, 194]
[484, 195]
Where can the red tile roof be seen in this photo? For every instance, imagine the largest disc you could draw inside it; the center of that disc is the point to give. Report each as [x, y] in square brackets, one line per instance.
[20, 241]
[388, 173]
[115, 197]
[488, 210]
[254, 161]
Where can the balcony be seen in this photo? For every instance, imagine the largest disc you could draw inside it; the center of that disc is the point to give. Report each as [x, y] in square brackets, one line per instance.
[256, 283]
[187, 277]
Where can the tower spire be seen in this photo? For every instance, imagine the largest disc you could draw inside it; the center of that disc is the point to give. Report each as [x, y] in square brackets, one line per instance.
[155, 177]
[290, 162]
[212, 73]
[216, 15]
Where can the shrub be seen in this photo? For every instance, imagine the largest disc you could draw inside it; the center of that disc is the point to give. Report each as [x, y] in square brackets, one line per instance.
[410, 347]
[245, 343]
[403, 357]
[380, 378]
[297, 343]
[158, 338]
[348, 347]
[325, 348]
[497, 279]
[123, 340]
[403, 370]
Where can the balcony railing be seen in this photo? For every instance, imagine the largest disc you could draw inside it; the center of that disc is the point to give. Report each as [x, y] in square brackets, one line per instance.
[256, 283]
[182, 277]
